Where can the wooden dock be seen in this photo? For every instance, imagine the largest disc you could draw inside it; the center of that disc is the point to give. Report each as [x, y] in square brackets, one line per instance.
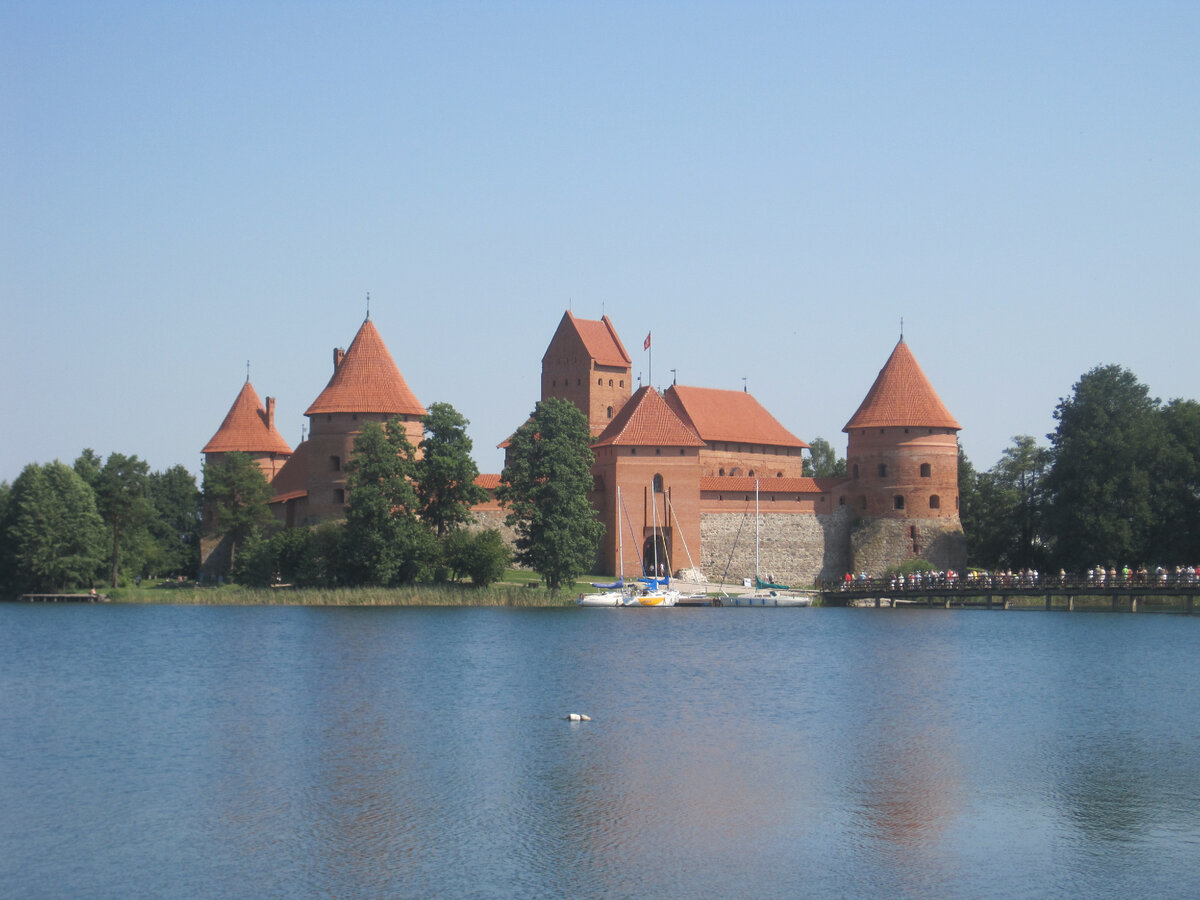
[63, 598]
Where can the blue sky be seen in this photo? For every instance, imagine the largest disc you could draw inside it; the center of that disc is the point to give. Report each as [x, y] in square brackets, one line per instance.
[768, 187]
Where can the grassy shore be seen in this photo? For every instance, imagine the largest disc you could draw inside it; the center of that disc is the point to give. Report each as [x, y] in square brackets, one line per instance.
[518, 588]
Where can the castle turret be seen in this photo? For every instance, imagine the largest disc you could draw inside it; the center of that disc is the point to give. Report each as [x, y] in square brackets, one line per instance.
[366, 386]
[586, 363]
[249, 427]
[902, 465]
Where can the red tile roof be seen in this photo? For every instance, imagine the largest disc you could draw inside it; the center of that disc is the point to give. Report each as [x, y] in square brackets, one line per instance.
[488, 481]
[741, 483]
[735, 416]
[367, 381]
[902, 396]
[245, 428]
[599, 339]
[292, 480]
[645, 421]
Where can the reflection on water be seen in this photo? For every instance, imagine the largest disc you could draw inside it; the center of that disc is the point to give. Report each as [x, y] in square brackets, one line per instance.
[365, 752]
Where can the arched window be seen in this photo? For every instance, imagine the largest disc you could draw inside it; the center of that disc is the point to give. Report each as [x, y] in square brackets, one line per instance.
[883, 470]
[610, 412]
[735, 472]
[750, 474]
[841, 501]
[599, 382]
[658, 484]
[926, 470]
[720, 471]
[335, 463]
[898, 501]
[935, 502]
[610, 382]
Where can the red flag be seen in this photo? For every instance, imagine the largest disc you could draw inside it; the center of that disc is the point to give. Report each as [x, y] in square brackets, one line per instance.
[646, 342]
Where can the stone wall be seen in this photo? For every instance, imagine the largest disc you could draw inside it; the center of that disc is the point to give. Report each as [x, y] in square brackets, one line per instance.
[879, 543]
[795, 548]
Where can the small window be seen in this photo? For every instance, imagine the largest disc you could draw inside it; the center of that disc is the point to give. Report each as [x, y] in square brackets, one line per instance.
[578, 382]
[856, 470]
[750, 474]
[926, 470]
[862, 502]
[335, 463]
[599, 382]
[633, 451]
[658, 451]
[658, 484]
[720, 471]
[935, 502]
[681, 451]
[610, 412]
[622, 382]
[898, 501]
[339, 495]
[610, 382]
[883, 470]
[841, 501]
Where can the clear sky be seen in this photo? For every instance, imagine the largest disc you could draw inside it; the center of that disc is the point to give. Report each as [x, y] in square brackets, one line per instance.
[768, 187]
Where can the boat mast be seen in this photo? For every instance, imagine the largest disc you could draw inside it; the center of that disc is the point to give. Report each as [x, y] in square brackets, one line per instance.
[756, 532]
[620, 541]
[654, 532]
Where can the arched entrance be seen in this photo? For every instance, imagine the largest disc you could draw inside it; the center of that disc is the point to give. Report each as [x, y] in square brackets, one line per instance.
[662, 552]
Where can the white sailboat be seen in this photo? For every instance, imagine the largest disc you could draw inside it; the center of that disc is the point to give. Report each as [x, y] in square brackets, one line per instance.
[766, 593]
[617, 593]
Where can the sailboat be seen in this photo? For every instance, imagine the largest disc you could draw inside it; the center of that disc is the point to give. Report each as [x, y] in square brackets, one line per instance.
[766, 593]
[657, 591]
[616, 593]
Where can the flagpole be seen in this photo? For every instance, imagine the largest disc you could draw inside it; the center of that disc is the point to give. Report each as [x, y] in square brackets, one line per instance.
[649, 348]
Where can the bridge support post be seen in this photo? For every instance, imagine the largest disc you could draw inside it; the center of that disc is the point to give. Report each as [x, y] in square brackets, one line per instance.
[988, 602]
[877, 602]
[947, 601]
[1071, 603]
[1049, 605]
[1006, 603]
[1116, 602]
[1187, 605]
[1133, 603]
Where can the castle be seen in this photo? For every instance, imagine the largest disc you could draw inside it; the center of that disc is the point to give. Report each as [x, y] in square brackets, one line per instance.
[693, 477]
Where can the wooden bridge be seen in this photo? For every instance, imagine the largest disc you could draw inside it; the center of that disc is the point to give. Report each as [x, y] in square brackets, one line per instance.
[1049, 593]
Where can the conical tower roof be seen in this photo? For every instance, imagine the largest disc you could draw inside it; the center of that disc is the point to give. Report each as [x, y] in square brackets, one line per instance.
[247, 428]
[647, 420]
[902, 396]
[367, 381]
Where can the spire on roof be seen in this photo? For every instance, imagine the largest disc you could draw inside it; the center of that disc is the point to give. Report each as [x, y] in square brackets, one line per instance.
[248, 427]
[902, 396]
[367, 381]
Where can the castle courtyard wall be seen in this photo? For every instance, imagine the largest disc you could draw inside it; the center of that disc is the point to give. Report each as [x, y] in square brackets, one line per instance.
[796, 548]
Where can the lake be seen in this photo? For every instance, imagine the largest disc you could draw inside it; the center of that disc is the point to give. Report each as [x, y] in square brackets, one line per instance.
[175, 751]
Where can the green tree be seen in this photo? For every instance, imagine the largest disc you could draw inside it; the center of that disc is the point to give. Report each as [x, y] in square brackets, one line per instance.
[1011, 507]
[121, 498]
[240, 496]
[1175, 535]
[88, 465]
[175, 525]
[55, 534]
[1099, 484]
[445, 474]
[825, 463]
[482, 557]
[385, 543]
[545, 487]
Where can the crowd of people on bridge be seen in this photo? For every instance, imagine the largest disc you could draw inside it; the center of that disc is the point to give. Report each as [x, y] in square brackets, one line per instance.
[1100, 577]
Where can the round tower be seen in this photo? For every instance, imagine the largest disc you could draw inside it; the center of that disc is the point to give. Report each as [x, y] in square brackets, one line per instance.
[902, 466]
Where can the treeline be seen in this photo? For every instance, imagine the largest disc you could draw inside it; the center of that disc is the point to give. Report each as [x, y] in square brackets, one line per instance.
[96, 522]
[405, 515]
[1118, 484]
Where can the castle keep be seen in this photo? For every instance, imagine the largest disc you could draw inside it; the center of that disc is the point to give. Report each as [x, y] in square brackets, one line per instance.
[692, 477]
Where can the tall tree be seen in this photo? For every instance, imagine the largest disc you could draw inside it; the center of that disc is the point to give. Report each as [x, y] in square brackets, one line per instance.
[121, 497]
[445, 474]
[384, 541]
[55, 534]
[240, 496]
[1176, 485]
[1011, 507]
[1099, 482]
[176, 522]
[545, 486]
[825, 463]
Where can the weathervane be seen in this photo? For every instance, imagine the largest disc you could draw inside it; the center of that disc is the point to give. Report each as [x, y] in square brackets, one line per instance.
[247, 371]
[673, 378]
[744, 389]
[368, 304]
[902, 328]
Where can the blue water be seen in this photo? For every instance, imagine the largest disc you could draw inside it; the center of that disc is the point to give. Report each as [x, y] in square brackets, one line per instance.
[275, 752]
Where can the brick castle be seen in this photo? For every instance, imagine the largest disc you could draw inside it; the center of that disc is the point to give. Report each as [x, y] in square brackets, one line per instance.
[678, 476]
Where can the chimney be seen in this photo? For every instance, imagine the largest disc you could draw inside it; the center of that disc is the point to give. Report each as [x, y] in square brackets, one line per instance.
[338, 355]
[270, 413]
